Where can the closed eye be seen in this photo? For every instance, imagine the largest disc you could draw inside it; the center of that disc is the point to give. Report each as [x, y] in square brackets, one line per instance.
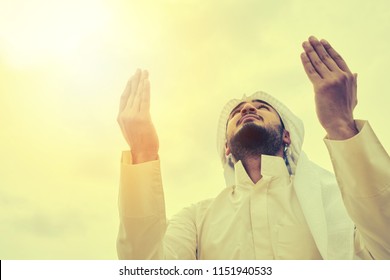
[232, 114]
[263, 107]
[235, 112]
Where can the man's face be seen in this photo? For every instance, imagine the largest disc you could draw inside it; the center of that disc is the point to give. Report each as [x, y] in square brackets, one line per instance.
[254, 125]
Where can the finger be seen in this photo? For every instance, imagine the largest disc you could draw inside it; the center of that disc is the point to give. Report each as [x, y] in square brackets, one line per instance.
[335, 55]
[134, 87]
[145, 101]
[309, 69]
[140, 91]
[125, 95]
[316, 62]
[323, 54]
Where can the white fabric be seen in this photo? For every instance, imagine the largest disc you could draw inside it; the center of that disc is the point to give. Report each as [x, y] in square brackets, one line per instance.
[362, 169]
[242, 223]
[308, 176]
[257, 221]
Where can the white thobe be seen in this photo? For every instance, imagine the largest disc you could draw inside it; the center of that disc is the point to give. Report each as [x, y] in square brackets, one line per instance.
[272, 219]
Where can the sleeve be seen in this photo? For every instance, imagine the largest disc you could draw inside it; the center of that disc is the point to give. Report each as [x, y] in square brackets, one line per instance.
[143, 230]
[362, 168]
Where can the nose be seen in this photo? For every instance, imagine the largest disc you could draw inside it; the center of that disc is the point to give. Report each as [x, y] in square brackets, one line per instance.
[248, 108]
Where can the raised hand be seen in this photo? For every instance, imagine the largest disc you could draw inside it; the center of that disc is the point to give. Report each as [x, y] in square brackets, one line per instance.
[334, 88]
[135, 121]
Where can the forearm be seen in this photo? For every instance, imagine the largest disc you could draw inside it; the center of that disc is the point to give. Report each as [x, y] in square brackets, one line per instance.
[362, 169]
[141, 210]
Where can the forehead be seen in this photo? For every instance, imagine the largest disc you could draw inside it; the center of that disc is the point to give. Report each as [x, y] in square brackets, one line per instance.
[254, 102]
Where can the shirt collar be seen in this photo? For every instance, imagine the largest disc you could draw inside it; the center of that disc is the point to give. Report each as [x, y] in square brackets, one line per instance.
[271, 166]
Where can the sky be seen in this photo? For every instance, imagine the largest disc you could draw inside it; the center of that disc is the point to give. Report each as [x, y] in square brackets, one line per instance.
[64, 65]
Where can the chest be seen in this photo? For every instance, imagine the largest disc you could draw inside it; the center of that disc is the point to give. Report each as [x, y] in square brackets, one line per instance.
[255, 224]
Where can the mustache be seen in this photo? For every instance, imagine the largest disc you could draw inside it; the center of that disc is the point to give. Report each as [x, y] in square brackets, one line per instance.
[249, 115]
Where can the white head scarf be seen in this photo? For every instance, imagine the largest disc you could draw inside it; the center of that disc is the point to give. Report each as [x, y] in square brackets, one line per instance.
[309, 182]
[291, 123]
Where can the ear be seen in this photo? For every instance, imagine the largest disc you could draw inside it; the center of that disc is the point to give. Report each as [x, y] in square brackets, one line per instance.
[286, 138]
[227, 150]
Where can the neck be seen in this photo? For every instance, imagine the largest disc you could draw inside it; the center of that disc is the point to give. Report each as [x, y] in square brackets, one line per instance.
[252, 167]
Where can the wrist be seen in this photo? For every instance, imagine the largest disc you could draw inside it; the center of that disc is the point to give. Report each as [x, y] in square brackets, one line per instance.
[342, 131]
[141, 157]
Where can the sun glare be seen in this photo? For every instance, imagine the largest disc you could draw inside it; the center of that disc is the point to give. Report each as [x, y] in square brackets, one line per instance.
[35, 31]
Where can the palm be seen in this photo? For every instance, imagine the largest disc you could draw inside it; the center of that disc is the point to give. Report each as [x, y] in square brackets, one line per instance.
[135, 121]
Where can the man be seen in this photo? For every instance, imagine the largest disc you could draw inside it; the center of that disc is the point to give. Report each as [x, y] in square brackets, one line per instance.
[277, 203]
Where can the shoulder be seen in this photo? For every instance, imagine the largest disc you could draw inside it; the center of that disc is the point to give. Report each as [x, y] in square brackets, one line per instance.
[194, 211]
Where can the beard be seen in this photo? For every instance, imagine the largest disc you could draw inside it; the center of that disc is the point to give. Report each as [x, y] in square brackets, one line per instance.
[255, 140]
